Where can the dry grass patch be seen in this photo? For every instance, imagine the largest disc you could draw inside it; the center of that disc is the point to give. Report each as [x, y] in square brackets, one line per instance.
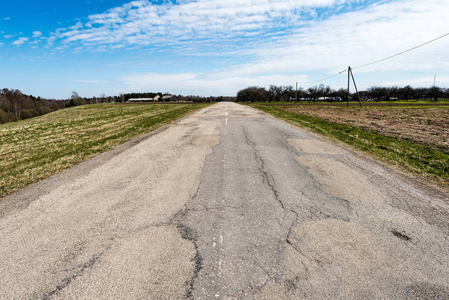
[424, 125]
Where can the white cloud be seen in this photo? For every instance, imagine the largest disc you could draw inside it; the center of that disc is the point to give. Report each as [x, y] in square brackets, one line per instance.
[21, 41]
[37, 34]
[278, 35]
[357, 38]
[142, 23]
[2, 44]
[265, 42]
[6, 19]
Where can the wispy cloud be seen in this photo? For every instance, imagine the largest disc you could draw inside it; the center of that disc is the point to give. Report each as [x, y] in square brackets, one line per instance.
[359, 37]
[297, 32]
[218, 47]
[144, 23]
[20, 41]
[37, 34]
[6, 19]
[279, 39]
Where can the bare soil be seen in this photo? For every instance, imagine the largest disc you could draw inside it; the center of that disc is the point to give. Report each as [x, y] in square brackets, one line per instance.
[424, 125]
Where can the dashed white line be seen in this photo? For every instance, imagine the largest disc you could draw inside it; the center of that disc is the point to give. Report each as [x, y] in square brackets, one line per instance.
[220, 239]
[226, 120]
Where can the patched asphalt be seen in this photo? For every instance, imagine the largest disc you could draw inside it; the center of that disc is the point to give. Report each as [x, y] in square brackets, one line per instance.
[227, 203]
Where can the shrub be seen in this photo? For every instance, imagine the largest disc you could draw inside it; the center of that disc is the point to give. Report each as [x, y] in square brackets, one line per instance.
[47, 110]
[3, 117]
[29, 113]
[55, 106]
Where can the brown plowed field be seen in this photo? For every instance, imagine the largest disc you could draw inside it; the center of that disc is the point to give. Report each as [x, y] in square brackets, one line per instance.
[423, 124]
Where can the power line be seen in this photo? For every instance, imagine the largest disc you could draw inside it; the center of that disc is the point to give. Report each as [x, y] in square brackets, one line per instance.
[335, 75]
[383, 59]
[414, 72]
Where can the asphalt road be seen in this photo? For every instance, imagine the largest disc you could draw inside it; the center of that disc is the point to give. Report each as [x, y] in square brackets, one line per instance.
[227, 203]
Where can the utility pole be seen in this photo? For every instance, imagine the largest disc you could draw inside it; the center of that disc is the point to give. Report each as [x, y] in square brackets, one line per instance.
[435, 96]
[350, 74]
[296, 92]
[349, 70]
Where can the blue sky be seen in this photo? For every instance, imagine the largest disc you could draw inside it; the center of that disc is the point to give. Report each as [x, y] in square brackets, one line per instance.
[216, 47]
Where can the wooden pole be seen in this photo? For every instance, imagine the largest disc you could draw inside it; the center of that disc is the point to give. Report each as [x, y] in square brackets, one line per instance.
[353, 80]
[349, 70]
[296, 92]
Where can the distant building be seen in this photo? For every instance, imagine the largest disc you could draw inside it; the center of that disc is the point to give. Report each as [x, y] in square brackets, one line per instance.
[168, 98]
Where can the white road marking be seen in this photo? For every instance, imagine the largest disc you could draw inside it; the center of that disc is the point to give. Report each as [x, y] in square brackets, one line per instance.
[219, 244]
[226, 123]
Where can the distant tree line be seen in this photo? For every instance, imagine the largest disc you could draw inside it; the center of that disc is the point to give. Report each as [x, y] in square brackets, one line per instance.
[14, 105]
[325, 93]
[76, 100]
[17, 106]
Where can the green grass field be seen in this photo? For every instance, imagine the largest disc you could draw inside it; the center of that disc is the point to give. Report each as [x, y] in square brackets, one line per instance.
[422, 160]
[37, 148]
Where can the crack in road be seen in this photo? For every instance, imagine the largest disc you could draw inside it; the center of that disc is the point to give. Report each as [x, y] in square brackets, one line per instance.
[66, 281]
[180, 216]
[189, 234]
[266, 177]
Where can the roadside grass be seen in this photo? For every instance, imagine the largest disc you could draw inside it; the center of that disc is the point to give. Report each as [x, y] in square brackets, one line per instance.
[418, 159]
[37, 148]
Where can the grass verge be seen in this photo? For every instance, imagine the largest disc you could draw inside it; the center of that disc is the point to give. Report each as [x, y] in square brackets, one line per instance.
[418, 159]
[37, 148]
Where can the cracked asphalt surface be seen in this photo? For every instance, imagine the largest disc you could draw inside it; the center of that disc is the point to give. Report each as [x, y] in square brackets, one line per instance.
[227, 203]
